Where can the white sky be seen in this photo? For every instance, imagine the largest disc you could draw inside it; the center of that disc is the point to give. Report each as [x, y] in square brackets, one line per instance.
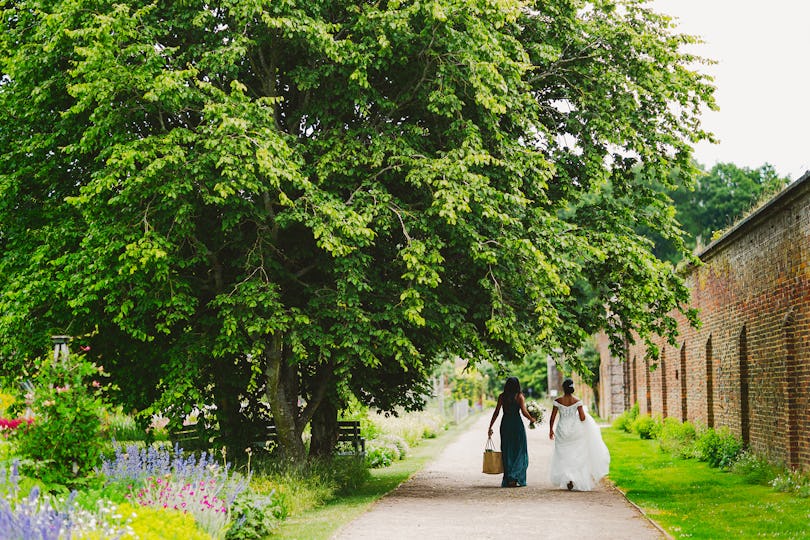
[762, 79]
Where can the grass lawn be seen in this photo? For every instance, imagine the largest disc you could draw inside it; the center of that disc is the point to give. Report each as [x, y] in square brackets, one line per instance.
[324, 521]
[689, 499]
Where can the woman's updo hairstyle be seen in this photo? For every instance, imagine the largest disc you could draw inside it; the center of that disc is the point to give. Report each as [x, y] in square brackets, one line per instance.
[568, 386]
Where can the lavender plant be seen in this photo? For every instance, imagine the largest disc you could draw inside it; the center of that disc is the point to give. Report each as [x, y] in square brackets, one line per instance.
[162, 479]
[41, 517]
[32, 518]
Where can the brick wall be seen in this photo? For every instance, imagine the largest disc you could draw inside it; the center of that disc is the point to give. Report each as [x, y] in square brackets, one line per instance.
[748, 366]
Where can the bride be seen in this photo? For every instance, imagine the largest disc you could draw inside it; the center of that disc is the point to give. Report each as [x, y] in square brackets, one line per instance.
[580, 457]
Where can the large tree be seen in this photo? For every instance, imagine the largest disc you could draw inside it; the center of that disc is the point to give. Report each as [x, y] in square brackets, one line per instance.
[311, 199]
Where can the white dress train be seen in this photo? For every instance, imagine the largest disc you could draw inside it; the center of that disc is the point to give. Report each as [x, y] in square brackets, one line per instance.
[580, 456]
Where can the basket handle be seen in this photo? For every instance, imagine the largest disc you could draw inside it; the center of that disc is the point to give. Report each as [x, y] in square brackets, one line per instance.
[490, 446]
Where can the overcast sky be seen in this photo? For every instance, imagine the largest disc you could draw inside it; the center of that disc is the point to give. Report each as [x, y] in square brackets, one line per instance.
[762, 79]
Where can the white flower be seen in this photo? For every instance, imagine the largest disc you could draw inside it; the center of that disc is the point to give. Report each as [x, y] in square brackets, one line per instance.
[536, 411]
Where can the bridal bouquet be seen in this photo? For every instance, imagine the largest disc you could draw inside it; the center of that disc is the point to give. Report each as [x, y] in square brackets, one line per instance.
[536, 411]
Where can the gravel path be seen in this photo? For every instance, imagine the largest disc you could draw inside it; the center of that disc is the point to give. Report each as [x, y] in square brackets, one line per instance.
[450, 498]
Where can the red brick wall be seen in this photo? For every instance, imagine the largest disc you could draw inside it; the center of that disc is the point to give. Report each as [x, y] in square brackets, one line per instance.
[748, 366]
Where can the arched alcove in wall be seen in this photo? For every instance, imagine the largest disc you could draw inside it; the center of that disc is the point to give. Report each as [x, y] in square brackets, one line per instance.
[663, 369]
[793, 389]
[745, 414]
[648, 385]
[635, 381]
[684, 387]
[709, 383]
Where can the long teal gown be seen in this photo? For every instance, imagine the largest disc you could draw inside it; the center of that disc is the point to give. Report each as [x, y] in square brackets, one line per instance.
[514, 451]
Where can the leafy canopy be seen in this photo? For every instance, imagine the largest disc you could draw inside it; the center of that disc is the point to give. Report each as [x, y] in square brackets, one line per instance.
[315, 198]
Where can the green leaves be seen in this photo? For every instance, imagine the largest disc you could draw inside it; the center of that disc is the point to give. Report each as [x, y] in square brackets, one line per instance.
[304, 193]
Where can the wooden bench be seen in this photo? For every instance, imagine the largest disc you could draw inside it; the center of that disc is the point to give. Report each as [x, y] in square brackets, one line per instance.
[195, 437]
[191, 437]
[348, 432]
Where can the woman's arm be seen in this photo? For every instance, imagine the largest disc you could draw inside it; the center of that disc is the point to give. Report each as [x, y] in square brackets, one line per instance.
[581, 413]
[522, 402]
[495, 414]
[551, 422]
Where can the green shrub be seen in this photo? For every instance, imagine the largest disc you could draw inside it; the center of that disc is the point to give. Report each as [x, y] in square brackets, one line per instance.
[7, 450]
[796, 482]
[302, 486]
[394, 445]
[116, 492]
[255, 516]
[368, 428]
[296, 489]
[121, 427]
[398, 442]
[349, 473]
[719, 448]
[677, 437]
[647, 427]
[379, 454]
[754, 469]
[625, 420]
[63, 443]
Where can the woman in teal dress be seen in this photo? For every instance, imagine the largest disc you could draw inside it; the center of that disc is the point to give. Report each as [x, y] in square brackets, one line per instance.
[513, 434]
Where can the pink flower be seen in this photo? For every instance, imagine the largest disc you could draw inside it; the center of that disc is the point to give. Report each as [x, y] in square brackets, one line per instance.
[96, 384]
[84, 348]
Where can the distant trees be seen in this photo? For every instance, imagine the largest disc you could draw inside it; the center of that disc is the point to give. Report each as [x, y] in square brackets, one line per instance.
[721, 197]
[717, 199]
[532, 373]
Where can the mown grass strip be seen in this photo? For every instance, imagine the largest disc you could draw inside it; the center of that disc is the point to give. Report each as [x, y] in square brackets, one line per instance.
[689, 499]
[323, 522]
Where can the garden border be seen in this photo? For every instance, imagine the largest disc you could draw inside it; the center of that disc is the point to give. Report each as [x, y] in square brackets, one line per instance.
[641, 510]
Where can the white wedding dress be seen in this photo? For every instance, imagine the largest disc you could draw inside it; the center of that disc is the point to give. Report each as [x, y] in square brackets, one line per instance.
[580, 456]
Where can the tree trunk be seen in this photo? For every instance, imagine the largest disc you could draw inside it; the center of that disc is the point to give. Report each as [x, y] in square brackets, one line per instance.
[324, 430]
[283, 401]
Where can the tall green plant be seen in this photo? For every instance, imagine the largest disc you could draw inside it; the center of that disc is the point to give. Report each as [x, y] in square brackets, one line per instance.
[625, 420]
[718, 447]
[63, 442]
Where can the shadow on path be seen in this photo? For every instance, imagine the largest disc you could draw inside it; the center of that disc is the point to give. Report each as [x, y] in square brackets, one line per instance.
[451, 499]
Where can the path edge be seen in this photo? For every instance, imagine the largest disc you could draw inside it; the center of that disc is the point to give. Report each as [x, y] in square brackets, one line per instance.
[388, 494]
[640, 510]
